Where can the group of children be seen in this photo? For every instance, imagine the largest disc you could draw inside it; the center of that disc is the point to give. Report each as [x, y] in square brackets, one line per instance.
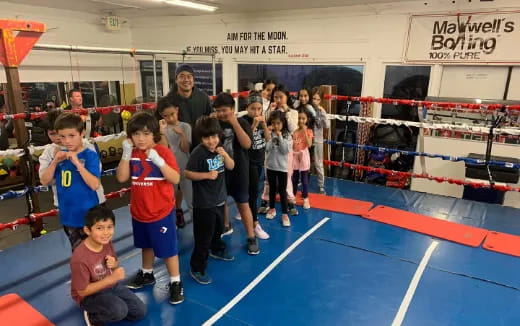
[164, 168]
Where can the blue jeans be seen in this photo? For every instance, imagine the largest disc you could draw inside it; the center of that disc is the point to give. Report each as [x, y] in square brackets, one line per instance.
[113, 304]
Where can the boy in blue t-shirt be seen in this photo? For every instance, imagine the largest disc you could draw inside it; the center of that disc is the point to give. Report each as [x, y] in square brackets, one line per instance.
[76, 171]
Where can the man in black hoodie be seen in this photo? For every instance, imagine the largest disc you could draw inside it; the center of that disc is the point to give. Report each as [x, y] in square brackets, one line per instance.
[193, 102]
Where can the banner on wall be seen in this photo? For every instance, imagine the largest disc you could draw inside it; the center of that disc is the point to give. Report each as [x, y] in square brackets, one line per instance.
[464, 38]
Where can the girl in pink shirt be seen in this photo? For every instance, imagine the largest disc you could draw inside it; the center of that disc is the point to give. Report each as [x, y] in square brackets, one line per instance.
[302, 140]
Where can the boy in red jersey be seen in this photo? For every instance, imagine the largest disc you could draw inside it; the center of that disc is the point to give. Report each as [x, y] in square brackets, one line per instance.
[153, 171]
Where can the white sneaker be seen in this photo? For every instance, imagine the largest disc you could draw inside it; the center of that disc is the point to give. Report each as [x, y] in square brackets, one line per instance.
[285, 220]
[86, 317]
[306, 204]
[271, 213]
[238, 217]
[260, 233]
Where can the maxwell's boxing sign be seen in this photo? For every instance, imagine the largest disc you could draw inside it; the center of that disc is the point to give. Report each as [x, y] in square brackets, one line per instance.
[464, 38]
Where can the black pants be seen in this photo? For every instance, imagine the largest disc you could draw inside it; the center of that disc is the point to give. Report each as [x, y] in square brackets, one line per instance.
[255, 171]
[277, 183]
[75, 235]
[207, 228]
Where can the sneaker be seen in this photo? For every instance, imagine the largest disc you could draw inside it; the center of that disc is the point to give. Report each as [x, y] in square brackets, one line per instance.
[201, 278]
[306, 204]
[180, 218]
[292, 209]
[176, 293]
[238, 217]
[264, 206]
[285, 220]
[222, 255]
[322, 191]
[141, 280]
[89, 322]
[227, 230]
[252, 246]
[260, 233]
[271, 214]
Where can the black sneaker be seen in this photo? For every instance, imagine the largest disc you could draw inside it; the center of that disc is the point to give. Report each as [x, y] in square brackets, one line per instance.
[252, 246]
[222, 255]
[264, 206]
[201, 278]
[227, 230]
[292, 209]
[176, 293]
[141, 280]
[179, 214]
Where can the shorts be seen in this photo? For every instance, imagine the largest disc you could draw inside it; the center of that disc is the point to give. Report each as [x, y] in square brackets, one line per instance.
[238, 190]
[160, 235]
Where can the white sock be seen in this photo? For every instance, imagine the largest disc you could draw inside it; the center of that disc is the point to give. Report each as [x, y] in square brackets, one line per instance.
[175, 279]
[147, 271]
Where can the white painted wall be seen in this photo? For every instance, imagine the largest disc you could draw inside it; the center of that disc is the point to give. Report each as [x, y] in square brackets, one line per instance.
[514, 88]
[71, 28]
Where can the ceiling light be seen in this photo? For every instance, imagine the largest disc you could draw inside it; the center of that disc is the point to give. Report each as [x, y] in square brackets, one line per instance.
[192, 5]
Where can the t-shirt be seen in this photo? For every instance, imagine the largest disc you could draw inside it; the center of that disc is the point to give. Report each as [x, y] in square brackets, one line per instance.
[209, 193]
[320, 123]
[87, 266]
[46, 158]
[239, 154]
[74, 195]
[151, 196]
[191, 108]
[174, 140]
[299, 140]
[257, 150]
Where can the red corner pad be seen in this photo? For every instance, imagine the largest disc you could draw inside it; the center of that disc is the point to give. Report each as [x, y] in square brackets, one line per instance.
[16, 311]
[459, 233]
[503, 243]
[337, 204]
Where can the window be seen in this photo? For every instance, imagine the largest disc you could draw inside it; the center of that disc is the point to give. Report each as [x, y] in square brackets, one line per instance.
[203, 75]
[405, 82]
[348, 79]
[147, 82]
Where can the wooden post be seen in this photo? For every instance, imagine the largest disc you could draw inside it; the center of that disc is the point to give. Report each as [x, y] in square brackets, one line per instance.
[330, 107]
[17, 37]
[14, 95]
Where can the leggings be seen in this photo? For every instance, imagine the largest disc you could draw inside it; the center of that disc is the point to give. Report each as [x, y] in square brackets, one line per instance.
[277, 183]
[305, 182]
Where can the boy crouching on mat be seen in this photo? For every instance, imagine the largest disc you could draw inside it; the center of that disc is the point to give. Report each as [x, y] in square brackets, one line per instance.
[96, 274]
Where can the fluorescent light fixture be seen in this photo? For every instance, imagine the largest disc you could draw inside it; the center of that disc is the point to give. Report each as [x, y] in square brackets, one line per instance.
[192, 5]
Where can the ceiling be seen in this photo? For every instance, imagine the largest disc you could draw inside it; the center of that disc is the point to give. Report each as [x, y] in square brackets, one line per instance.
[136, 8]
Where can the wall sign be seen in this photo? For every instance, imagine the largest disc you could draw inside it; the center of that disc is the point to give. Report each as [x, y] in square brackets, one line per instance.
[464, 38]
[246, 43]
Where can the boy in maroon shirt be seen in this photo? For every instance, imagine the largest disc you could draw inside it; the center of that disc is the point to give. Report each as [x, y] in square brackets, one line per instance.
[96, 274]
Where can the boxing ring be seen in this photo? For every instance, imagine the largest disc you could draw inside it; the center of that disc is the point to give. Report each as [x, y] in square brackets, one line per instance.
[363, 254]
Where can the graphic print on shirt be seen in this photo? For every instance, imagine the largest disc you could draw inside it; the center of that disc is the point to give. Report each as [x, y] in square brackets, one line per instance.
[258, 139]
[66, 175]
[227, 140]
[216, 163]
[144, 171]
[100, 271]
